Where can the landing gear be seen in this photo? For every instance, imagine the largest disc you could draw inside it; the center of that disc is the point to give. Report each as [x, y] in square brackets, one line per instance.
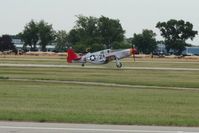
[83, 64]
[118, 63]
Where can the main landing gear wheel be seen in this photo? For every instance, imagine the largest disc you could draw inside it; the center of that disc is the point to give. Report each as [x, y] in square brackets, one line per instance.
[119, 65]
[83, 64]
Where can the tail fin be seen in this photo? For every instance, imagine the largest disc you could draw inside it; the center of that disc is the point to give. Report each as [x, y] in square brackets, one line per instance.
[72, 56]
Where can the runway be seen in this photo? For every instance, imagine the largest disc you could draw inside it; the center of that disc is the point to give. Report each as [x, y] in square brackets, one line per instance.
[99, 67]
[32, 127]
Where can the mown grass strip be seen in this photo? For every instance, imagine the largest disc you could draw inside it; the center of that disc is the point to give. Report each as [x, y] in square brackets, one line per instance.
[55, 102]
[1, 77]
[103, 84]
[182, 79]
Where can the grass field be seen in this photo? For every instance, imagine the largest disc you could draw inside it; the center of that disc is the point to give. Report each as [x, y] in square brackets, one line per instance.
[162, 98]
[140, 62]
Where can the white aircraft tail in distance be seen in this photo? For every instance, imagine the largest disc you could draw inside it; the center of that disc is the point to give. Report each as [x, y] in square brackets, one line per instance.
[101, 57]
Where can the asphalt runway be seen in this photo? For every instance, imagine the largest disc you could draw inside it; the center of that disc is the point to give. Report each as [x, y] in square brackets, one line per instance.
[99, 67]
[31, 127]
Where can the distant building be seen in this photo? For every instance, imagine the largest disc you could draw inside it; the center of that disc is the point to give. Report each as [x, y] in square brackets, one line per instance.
[51, 48]
[19, 44]
[191, 51]
[161, 50]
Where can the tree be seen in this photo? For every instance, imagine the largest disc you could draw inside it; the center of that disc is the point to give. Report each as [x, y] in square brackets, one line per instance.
[46, 34]
[110, 31]
[96, 33]
[145, 42]
[6, 43]
[175, 33]
[87, 29]
[37, 33]
[126, 43]
[61, 39]
[30, 35]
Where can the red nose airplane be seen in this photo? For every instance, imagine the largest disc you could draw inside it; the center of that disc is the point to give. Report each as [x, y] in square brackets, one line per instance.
[100, 57]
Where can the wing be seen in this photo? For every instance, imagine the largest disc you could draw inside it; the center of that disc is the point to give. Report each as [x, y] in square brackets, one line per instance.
[119, 54]
[109, 57]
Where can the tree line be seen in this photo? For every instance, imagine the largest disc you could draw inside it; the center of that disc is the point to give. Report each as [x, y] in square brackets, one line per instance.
[92, 33]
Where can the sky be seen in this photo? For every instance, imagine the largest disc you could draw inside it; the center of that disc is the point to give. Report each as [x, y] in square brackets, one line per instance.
[134, 15]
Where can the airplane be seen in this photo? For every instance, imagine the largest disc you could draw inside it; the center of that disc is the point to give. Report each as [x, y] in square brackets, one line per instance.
[100, 57]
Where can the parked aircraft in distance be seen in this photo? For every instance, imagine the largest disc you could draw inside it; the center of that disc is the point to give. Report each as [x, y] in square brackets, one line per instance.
[100, 57]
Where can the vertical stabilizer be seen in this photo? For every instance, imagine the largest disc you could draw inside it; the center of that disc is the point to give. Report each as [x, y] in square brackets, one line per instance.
[71, 56]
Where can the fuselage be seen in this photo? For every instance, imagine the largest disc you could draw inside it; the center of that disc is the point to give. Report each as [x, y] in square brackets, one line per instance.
[105, 56]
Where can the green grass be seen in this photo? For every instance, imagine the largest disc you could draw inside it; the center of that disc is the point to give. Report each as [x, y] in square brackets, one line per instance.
[36, 101]
[170, 64]
[109, 75]
[1, 77]
[80, 103]
[33, 61]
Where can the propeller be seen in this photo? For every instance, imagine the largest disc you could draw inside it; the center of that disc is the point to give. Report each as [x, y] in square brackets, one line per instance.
[133, 51]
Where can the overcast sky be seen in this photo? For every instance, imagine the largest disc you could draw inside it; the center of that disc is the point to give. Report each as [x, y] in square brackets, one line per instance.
[134, 15]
